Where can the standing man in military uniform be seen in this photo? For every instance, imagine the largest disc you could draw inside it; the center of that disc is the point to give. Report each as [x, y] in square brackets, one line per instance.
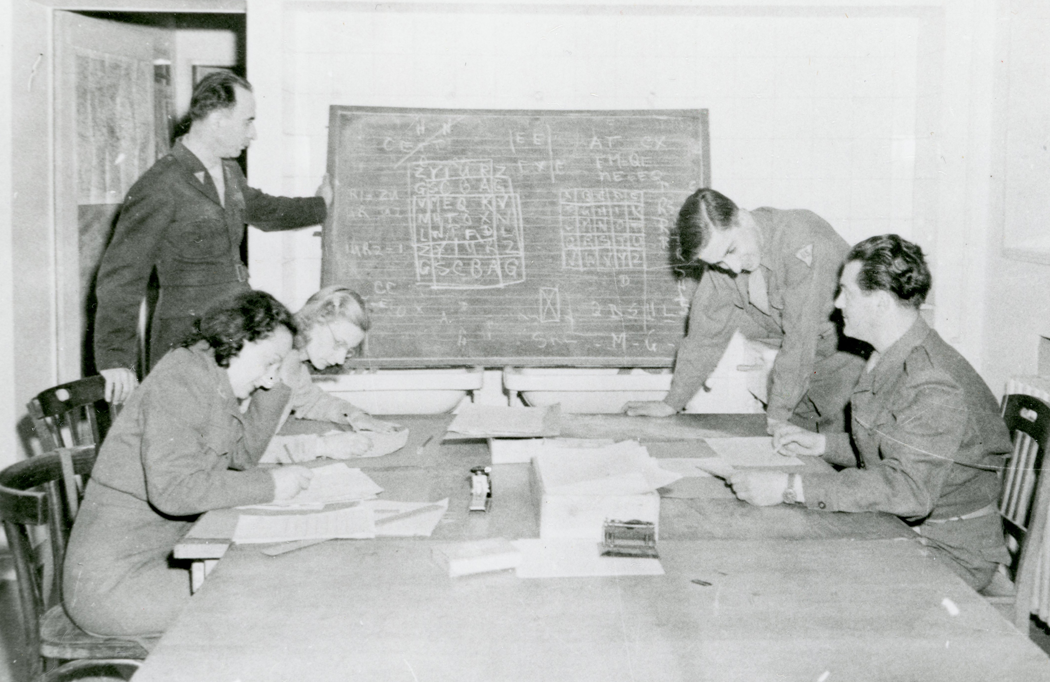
[771, 275]
[185, 217]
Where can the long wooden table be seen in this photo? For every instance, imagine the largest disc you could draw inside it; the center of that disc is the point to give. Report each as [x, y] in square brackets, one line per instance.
[782, 593]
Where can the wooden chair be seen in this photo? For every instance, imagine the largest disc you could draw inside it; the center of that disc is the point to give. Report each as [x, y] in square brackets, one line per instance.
[72, 414]
[1024, 506]
[39, 497]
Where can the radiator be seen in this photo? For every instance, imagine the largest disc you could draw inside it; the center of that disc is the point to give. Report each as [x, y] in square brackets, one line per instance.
[1037, 387]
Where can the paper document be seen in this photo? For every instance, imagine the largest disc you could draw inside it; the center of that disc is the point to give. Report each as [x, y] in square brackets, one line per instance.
[353, 522]
[477, 556]
[406, 519]
[308, 447]
[497, 420]
[623, 468]
[686, 466]
[522, 450]
[751, 452]
[331, 483]
[577, 558]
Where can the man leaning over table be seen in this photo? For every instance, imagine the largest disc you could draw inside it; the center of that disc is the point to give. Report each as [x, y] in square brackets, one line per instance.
[771, 274]
[185, 217]
[926, 439]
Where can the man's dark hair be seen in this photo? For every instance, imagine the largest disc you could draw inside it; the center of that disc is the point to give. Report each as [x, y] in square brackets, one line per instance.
[215, 91]
[703, 211]
[247, 316]
[890, 263]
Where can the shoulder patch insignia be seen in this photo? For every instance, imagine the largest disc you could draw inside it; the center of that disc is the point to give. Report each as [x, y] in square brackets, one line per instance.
[805, 254]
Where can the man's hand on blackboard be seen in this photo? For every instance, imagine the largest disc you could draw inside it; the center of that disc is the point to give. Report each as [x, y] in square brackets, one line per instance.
[648, 408]
[324, 190]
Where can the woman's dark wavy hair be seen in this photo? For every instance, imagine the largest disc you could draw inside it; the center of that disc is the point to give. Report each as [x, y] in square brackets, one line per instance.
[215, 91]
[248, 316]
[890, 263]
[703, 211]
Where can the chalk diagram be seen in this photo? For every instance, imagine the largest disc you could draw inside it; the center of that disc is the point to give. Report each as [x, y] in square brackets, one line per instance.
[467, 230]
[602, 229]
[550, 304]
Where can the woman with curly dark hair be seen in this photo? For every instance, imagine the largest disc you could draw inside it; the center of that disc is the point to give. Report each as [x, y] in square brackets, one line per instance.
[186, 442]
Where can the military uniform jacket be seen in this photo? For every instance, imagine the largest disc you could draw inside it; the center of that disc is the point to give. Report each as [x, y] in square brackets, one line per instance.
[926, 440]
[800, 258]
[182, 445]
[172, 220]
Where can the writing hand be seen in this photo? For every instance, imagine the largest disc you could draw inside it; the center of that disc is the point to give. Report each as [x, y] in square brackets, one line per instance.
[289, 480]
[648, 408]
[120, 382]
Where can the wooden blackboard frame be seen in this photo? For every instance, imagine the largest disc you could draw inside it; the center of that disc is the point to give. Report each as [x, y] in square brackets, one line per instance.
[339, 114]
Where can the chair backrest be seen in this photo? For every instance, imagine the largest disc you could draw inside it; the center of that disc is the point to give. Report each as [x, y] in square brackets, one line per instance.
[40, 495]
[1026, 494]
[72, 414]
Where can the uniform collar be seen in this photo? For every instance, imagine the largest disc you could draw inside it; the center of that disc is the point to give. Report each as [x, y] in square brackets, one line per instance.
[193, 165]
[765, 250]
[220, 378]
[891, 362]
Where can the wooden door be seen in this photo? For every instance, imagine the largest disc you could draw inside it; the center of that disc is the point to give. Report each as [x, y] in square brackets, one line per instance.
[112, 115]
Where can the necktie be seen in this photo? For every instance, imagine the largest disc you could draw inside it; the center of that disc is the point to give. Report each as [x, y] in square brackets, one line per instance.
[757, 292]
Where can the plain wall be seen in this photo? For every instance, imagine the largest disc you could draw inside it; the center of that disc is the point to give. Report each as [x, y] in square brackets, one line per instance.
[877, 117]
[1017, 292]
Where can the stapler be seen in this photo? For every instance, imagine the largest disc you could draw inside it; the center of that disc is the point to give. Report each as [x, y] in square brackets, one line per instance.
[629, 539]
[480, 489]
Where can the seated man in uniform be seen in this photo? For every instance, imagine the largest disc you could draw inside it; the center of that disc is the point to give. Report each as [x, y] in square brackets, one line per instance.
[926, 439]
[770, 274]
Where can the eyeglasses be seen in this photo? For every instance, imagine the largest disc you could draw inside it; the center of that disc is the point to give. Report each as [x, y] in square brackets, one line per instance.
[341, 344]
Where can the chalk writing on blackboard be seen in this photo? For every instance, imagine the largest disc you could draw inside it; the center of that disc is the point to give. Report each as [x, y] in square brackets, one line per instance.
[513, 237]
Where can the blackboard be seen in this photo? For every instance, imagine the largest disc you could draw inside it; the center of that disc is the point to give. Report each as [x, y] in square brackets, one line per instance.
[526, 238]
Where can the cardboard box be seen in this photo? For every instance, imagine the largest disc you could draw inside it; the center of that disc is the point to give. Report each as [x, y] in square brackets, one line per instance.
[574, 514]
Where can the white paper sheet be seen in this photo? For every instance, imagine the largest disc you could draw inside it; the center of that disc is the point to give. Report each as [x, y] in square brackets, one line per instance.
[751, 452]
[686, 466]
[353, 522]
[522, 450]
[331, 483]
[623, 468]
[577, 558]
[497, 420]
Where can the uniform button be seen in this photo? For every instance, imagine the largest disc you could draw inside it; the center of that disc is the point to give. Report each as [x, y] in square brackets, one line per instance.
[821, 505]
[862, 465]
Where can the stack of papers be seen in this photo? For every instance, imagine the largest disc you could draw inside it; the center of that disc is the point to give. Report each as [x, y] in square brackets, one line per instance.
[514, 422]
[623, 468]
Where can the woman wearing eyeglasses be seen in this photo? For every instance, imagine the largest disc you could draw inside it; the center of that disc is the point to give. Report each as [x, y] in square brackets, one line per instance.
[332, 324]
